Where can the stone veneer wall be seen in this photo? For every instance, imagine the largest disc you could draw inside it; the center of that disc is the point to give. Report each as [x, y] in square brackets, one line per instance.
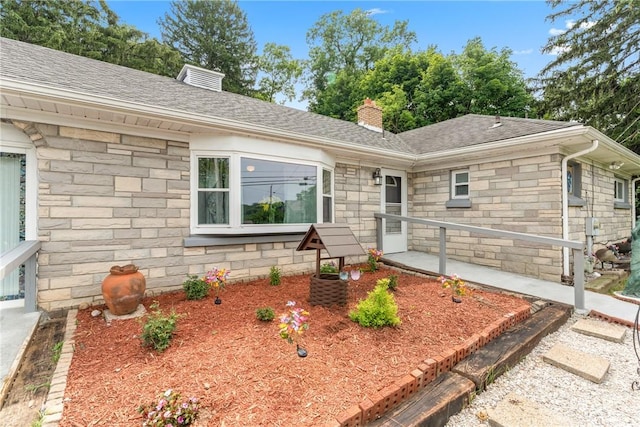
[597, 192]
[521, 195]
[112, 199]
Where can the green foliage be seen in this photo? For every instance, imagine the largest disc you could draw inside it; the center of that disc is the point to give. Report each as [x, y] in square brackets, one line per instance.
[266, 314]
[195, 287]
[393, 282]
[351, 44]
[594, 78]
[378, 309]
[274, 275]
[89, 29]
[56, 351]
[328, 267]
[214, 35]
[280, 73]
[157, 330]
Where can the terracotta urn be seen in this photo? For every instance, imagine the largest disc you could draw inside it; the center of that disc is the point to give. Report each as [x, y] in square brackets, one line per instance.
[123, 289]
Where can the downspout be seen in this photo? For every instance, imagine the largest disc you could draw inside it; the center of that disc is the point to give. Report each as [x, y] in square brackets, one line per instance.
[633, 204]
[565, 203]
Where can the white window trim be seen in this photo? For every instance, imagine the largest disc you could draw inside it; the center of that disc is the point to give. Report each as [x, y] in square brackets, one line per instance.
[14, 141]
[235, 148]
[454, 173]
[623, 184]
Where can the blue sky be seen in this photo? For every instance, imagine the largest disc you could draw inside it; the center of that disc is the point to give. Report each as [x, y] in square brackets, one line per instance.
[518, 25]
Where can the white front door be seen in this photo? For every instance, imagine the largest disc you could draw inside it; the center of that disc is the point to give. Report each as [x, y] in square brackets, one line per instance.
[394, 201]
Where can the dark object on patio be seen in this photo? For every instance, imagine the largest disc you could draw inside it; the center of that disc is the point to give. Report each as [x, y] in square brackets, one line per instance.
[337, 241]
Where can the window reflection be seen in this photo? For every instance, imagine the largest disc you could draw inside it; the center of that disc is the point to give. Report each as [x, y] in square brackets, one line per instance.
[277, 192]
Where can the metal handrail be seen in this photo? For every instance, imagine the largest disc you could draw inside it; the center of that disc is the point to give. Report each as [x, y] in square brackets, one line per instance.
[576, 246]
[25, 253]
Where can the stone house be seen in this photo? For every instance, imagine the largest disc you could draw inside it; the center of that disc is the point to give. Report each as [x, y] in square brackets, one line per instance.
[106, 165]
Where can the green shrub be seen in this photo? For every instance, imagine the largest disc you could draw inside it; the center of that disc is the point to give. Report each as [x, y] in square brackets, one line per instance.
[266, 314]
[195, 287]
[157, 330]
[378, 309]
[274, 276]
[328, 267]
[393, 282]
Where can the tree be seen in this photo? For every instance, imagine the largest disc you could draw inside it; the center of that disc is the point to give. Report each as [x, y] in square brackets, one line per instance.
[88, 29]
[214, 35]
[595, 77]
[281, 72]
[350, 43]
[494, 84]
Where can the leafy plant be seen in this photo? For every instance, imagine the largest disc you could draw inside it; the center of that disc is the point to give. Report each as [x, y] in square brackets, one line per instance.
[169, 411]
[266, 314]
[393, 282]
[157, 331]
[56, 351]
[274, 276]
[329, 267]
[378, 309]
[293, 323]
[373, 257]
[195, 287]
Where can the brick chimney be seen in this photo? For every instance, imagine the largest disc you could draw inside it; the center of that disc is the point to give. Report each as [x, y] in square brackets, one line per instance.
[370, 115]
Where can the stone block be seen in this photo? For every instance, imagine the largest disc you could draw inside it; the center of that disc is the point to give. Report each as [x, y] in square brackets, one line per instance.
[585, 365]
[599, 329]
[514, 410]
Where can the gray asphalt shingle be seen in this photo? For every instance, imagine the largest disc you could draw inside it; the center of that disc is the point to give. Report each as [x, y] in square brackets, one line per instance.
[35, 64]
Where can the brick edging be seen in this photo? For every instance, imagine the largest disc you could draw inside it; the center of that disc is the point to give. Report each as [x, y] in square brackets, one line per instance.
[380, 402]
[611, 319]
[54, 403]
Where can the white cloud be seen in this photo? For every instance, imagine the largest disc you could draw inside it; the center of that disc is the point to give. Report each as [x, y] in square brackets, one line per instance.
[557, 50]
[523, 52]
[585, 25]
[376, 11]
[556, 31]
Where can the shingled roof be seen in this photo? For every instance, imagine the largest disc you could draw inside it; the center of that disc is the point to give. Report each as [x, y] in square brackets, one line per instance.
[474, 129]
[32, 64]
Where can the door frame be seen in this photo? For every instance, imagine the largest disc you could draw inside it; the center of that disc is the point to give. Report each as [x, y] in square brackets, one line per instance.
[396, 242]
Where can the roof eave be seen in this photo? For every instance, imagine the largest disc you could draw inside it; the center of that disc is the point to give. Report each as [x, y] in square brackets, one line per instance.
[203, 123]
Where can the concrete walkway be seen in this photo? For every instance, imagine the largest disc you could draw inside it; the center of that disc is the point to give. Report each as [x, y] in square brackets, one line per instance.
[603, 304]
[16, 328]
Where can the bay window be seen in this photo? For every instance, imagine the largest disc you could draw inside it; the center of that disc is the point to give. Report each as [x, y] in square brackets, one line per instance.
[241, 193]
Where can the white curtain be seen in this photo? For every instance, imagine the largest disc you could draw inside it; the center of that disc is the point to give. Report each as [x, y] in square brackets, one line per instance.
[9, 217]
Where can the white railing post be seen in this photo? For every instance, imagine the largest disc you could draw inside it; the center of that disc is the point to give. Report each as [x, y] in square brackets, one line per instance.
[578, 280]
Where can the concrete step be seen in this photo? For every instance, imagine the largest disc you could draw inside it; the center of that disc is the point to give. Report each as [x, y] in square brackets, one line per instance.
[515, 410]
[585, 365]
[599, 329]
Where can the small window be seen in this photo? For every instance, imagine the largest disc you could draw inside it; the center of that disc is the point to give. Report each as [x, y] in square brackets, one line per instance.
[327, 196]
[574, 184]
[621, 193]
[460, 184]
[459, 197]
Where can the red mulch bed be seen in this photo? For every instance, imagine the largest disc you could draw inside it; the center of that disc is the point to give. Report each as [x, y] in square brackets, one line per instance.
[244, 374]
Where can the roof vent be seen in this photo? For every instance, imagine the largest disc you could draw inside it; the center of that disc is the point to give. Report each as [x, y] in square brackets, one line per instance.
[201, 77]
[497, 123]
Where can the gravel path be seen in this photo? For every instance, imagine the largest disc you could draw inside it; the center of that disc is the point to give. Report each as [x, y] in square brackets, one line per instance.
[612, 403]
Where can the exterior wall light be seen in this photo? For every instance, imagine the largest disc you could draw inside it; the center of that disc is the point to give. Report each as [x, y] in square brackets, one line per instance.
[615, 165]
[377, 177]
